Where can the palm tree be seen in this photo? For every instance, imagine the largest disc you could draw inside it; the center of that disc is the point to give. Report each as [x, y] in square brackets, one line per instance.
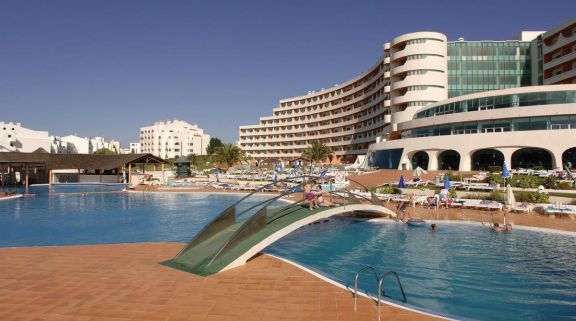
[228, 154]
[317, 151]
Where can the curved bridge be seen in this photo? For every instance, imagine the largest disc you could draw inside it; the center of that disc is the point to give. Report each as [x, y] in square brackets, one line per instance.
[229, 241]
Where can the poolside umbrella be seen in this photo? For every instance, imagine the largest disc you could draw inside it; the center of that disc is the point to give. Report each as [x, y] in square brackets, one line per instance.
[418, 171]
[505, 173]
[446, 182]
[569, 172]
[510, 200]
[401, 183]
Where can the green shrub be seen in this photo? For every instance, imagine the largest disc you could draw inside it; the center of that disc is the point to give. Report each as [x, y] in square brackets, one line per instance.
[452, 193]
[494, 169]
[388, 190]
[551, 182]
[497, 196]
[537, 168]
[531, 197]
[528, 181]
[479, 196]
[453, 177]
[494, 179]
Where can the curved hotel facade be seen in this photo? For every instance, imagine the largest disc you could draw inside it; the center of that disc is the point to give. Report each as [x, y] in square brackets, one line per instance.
[440, 105]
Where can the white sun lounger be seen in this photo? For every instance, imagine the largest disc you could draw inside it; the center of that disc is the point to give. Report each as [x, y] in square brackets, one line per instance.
[564, 209]
[471, 203]
[489, 205]
[522, 207]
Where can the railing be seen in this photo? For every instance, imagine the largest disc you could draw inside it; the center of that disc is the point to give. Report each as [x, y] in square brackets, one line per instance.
[366, 267]
[381, 289]
[237, 229]
[379, 281]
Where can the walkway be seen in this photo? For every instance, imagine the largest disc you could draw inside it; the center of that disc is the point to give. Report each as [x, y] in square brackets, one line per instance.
[125, 282]
[227, 242]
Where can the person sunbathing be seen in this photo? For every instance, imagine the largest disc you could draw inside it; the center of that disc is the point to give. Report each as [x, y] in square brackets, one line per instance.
[321, 198]
[310, 197]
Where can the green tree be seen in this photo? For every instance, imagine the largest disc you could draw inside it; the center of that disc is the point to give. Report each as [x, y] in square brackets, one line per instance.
[193, 158]
[228, 154]
[213, 145]
[104, 151]
[317, 151]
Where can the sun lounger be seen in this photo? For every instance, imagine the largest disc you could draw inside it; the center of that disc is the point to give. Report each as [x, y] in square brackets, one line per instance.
[489, 205]
[479, 187]
[562, 209]
[398, 199]
[420, 199]
[483, 204]
[384, 197]
[494, 206]
[471, 203]
[522, 207]
[456, 203]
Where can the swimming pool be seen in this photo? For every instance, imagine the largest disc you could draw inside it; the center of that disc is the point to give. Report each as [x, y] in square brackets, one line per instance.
[463, 269]
[94, 218]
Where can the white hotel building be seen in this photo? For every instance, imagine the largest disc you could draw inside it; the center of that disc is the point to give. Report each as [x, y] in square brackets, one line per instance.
[171, 139]
[15, 138]
[440, 104]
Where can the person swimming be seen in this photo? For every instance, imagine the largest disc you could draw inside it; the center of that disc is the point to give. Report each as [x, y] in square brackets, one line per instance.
[497, 228]
[433, 228]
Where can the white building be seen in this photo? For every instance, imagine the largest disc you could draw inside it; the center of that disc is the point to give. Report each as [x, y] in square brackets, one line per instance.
[135, 148]
[524, 127]
[114, 146]
[83, 145]
[172, 139]
[375, 111]
[15, 138]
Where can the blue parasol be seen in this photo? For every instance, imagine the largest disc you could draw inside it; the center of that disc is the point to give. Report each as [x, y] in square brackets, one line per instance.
[401, 183]
[446, 182]
[505, 173]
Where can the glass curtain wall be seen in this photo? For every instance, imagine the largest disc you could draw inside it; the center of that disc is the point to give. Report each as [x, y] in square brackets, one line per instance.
[487, 65]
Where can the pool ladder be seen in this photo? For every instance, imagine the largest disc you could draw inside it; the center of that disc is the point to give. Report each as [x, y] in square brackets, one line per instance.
[379, 281]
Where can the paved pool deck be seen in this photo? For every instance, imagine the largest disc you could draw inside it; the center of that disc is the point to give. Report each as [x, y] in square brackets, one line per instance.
[125, 282]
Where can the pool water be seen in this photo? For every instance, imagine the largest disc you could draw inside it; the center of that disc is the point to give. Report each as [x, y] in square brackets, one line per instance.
[464, 269]
[96, 218]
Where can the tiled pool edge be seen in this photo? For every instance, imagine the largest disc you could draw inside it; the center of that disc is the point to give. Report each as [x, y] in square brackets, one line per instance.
[331, 281]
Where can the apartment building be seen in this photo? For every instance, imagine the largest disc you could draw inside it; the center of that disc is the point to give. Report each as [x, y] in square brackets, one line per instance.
[171, 139]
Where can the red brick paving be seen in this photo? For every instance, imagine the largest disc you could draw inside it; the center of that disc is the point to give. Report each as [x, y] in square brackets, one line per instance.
[125, 282]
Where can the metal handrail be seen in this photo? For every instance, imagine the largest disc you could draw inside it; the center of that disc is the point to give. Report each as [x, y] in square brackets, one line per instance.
[381, 290]
[379, 280]
[366, 267]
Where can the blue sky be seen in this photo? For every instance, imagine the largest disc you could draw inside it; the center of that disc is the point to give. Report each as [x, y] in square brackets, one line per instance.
[109, 67]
